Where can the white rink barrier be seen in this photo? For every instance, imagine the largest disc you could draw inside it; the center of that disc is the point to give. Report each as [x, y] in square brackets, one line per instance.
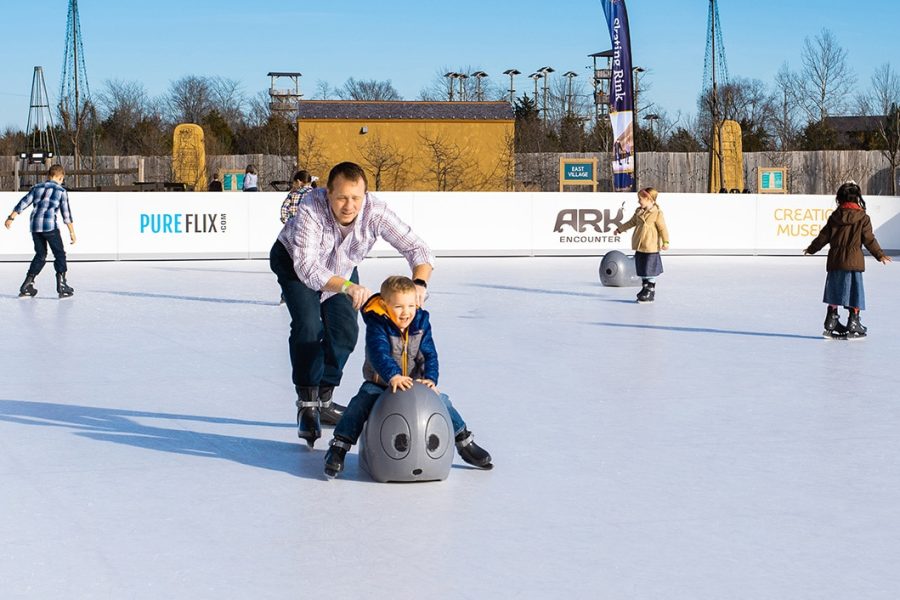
[205, 225]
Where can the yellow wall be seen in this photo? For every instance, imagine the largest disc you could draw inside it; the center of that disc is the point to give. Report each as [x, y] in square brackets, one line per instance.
[478, 154]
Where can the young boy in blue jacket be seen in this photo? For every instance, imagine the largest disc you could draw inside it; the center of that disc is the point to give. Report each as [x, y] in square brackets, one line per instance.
[399, 350]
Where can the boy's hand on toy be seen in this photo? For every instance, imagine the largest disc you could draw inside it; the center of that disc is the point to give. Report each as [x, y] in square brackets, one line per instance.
[400, 382]
[885, 259]
[429, 384]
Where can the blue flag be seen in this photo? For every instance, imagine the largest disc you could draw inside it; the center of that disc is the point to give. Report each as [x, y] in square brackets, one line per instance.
[621, 96]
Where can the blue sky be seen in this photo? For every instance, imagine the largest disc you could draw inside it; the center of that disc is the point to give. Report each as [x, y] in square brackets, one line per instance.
[409, 41]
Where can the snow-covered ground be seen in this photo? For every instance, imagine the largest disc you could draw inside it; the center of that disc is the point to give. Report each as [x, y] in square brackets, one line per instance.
[710, 445]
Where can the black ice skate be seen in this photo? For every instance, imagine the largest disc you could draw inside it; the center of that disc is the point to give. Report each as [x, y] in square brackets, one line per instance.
[28, 288]
[833, 326]
[330, 412]
[334, 458]
[855, 329]
[471, 452]
[308, 427]
[647, 293]
[62, 288]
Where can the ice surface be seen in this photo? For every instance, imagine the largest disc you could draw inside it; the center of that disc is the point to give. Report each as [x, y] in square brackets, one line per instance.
[710, 445]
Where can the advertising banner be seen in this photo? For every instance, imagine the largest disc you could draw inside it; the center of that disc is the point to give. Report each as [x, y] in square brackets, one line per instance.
[575, 224]
[790, 222]
[621, 96]
[201, 225]
[182, 225]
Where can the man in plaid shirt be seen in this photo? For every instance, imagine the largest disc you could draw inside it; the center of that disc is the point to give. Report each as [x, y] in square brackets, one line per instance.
[47, 198]
[315, 259]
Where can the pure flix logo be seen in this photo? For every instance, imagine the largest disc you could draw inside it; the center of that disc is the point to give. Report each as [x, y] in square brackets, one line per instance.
[589, 222]
[183, 223]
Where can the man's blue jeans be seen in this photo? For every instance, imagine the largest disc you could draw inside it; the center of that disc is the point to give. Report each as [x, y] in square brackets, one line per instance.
[351, 424]
[323, 334]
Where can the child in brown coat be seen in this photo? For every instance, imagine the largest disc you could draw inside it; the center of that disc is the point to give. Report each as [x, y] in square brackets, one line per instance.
[848, 229]
[650, 236]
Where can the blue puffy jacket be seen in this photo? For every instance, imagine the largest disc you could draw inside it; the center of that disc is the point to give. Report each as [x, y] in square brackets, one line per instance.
[390, 351]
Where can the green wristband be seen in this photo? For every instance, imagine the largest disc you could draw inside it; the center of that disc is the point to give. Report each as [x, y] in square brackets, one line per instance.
[346, 286]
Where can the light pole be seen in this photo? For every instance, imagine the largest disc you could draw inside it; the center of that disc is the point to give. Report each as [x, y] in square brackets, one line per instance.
[652, 118]
[635, 81]
[479, 75]
[535, 76]
[450, 77]
[462, 86]
[570, 75]
[546, 71]
[512, 90]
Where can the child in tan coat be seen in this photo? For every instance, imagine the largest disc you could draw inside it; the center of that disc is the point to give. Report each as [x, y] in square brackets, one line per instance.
[650, 236]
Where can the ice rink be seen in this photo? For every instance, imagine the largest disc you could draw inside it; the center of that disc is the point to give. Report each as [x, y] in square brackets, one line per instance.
[709, 446]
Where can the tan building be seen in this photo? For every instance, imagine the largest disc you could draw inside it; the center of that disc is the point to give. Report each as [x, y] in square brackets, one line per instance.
[414, 146]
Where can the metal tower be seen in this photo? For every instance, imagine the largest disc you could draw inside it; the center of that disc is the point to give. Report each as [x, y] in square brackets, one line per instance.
[75, 107]
[41, 136]
[715, 72]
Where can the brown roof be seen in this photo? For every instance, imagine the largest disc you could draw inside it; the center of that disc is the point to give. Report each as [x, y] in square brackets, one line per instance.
[413, 110]
[854, 124]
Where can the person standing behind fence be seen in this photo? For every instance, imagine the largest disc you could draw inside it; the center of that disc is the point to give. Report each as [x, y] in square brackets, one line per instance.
[47, 198]
[251, 180]
[300, 186]
[215, 185]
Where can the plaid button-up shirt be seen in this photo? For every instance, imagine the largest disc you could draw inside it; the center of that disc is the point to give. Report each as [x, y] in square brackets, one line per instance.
[313, 239]
[47, 197]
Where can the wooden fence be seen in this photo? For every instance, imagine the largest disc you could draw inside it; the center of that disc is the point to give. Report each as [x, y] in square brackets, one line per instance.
[808, 172]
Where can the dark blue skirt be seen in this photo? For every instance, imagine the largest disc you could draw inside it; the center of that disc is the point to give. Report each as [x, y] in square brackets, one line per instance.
[648, 264]
[845, 288]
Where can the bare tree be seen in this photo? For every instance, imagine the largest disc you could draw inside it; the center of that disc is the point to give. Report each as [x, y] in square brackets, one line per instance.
[785, 122]
[189, 99]
[824, 72]
[324, 91]
[386, 162]
[450, 167]
[311, 155]
[882, 105]
[228, 99]
[367, 89]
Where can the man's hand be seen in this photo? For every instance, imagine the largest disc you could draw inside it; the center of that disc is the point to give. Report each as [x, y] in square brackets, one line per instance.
[400, 382]
[421, 295]
[358, 295]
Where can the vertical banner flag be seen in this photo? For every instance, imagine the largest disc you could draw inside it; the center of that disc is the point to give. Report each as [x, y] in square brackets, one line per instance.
[621, 97]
